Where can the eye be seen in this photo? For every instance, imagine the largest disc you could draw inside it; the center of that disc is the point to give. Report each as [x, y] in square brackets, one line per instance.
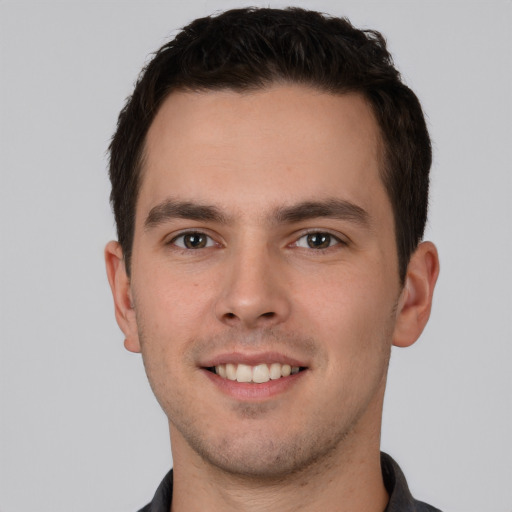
[317, 240]
[193, 240]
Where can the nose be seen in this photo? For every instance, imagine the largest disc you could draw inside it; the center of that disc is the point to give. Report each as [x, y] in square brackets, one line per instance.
[253, 292]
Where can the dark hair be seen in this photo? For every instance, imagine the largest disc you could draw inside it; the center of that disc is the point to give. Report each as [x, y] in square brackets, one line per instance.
[244, 49]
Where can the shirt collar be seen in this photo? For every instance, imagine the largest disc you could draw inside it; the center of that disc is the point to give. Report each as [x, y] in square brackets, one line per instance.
[400, 498]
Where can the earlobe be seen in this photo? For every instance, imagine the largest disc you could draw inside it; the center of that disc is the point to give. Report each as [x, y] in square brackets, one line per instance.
[415, 303]
[122, 294]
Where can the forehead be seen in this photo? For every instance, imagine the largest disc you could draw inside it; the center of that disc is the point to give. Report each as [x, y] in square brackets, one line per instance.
[283, 143]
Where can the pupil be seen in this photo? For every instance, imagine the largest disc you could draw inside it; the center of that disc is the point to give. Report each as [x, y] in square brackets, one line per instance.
[195, 241]
[319, 240]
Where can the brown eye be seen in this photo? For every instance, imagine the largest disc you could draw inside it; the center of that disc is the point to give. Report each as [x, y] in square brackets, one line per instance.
[317, 240]
[193, 241]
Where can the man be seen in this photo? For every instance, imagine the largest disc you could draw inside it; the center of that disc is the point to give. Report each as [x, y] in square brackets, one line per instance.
[270, 187]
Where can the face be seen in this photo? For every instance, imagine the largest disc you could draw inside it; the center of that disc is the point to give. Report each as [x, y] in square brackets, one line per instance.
[264, 244]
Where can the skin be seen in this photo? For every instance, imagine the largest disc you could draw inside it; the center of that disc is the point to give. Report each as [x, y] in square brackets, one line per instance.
[258, 290]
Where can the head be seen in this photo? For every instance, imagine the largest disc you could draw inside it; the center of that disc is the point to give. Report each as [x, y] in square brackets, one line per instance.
[269, 180]
[252, 49]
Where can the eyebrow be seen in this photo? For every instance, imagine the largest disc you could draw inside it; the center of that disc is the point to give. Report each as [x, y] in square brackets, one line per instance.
[172, 209]
[330, 208]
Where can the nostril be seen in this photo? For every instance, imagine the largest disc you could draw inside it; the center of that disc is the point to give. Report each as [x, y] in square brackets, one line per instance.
[249, 317]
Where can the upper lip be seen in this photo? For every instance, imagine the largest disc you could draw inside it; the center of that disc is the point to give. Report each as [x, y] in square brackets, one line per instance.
[252, 359]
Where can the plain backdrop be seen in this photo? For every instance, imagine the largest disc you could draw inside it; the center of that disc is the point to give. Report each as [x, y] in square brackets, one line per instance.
[80, 429]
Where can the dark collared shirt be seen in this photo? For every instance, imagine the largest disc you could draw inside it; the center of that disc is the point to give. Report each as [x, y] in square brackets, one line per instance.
[400, 499]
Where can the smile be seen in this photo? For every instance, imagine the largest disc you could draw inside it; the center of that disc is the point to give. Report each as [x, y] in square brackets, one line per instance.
[257, 374]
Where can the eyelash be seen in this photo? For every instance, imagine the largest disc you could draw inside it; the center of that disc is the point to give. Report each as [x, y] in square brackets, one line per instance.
[210, 242]
[333, 242]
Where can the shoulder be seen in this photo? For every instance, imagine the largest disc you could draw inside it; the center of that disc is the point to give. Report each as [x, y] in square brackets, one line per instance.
[161, 501]
[400, 497]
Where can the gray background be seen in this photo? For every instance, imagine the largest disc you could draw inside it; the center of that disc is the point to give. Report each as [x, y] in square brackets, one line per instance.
[80, 429]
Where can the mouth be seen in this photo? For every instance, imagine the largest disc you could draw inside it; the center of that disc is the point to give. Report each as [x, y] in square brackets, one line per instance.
[256, 374]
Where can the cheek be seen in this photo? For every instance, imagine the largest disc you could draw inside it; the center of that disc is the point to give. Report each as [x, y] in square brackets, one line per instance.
[351, 310]
[171, 310]
[171, 297]
[167, 311]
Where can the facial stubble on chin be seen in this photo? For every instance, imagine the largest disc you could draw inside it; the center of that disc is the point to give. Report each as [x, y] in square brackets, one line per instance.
[276, 455]
[263, 458]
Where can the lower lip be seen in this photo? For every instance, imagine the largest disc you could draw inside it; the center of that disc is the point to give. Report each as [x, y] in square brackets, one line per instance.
[254, 391]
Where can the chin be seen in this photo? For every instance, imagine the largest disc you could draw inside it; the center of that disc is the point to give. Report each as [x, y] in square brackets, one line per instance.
[264, 456]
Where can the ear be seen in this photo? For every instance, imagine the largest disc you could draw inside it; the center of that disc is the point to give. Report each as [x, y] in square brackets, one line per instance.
[121, 291]
[415, 302]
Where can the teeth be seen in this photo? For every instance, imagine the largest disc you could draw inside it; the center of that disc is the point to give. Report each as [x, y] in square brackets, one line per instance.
[230, 371]
[275, 371]
[258, 374]
[243, 373]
